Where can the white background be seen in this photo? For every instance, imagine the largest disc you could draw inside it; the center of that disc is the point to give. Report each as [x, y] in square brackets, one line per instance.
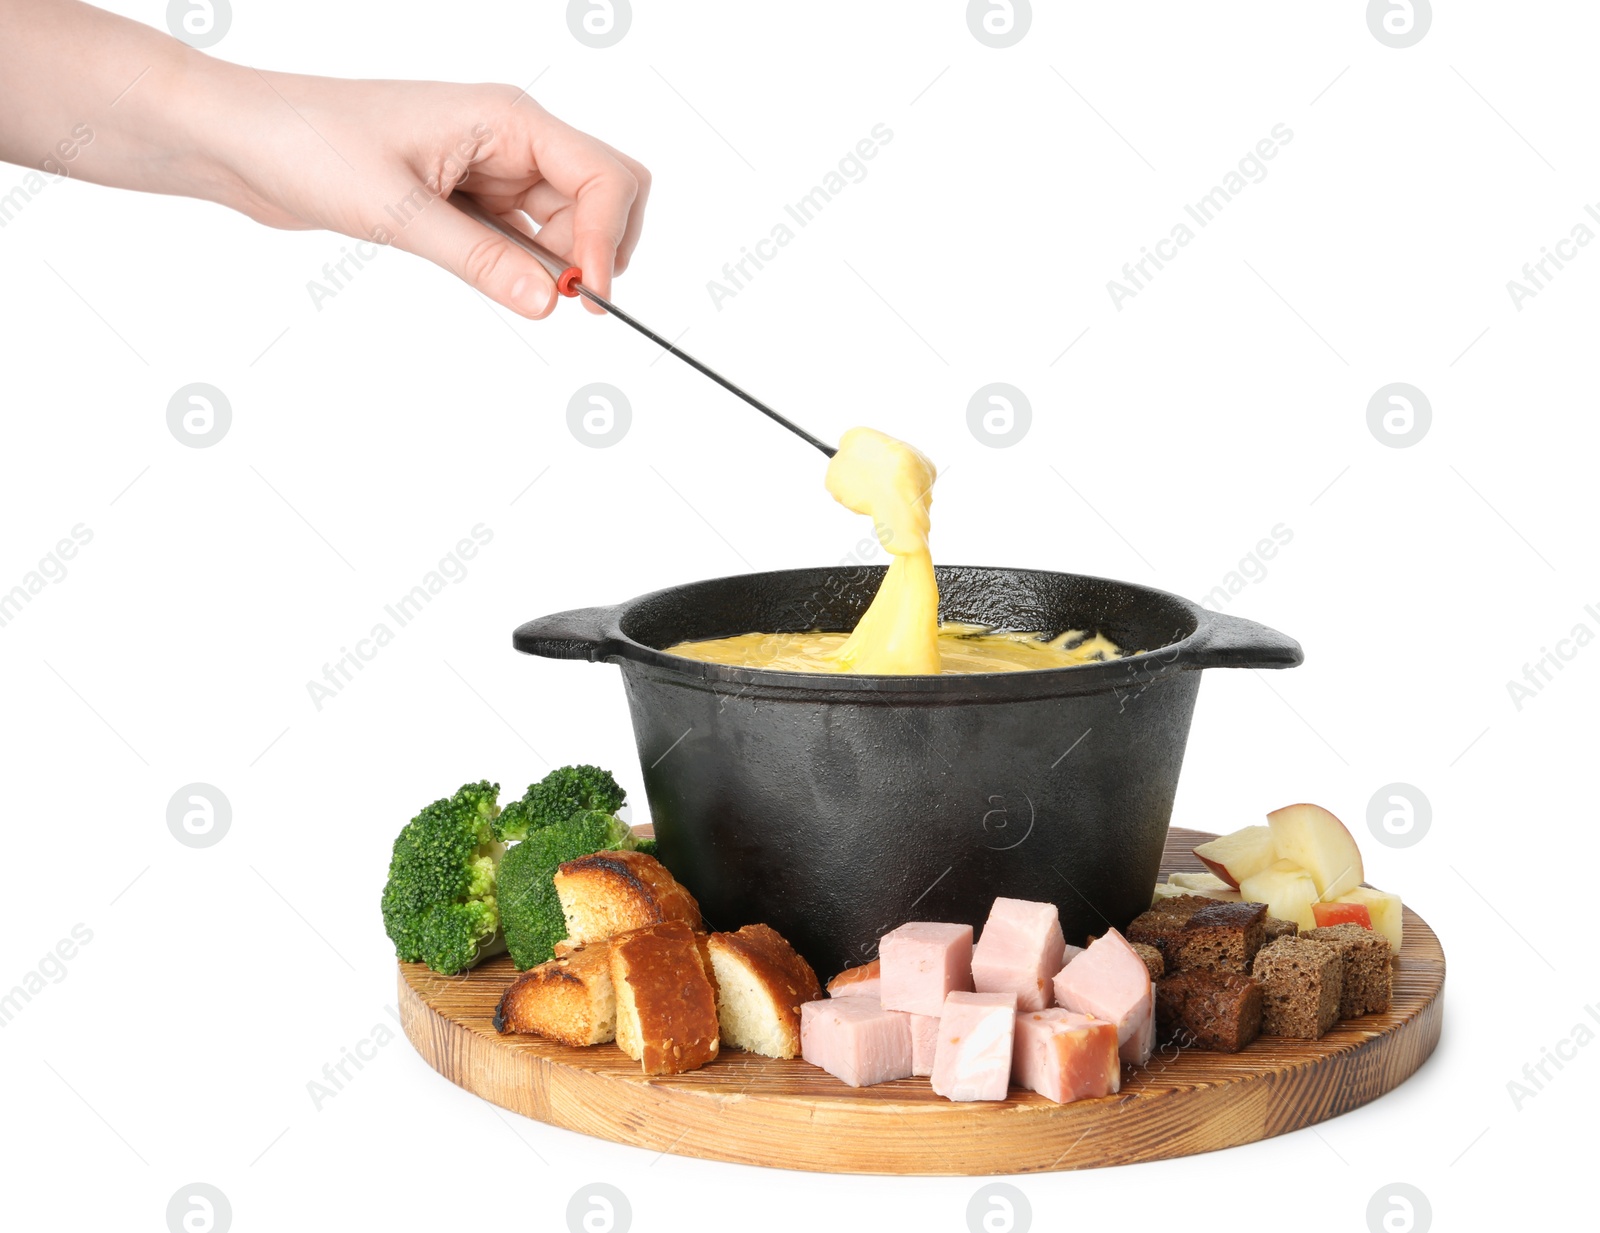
[373, 434]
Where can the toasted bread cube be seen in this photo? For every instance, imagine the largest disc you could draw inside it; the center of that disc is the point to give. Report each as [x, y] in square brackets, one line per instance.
[607, 893]
[666, 1010]
[761, 984]
[570, 999]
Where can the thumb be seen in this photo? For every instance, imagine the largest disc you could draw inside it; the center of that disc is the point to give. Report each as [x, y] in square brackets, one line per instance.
[480, 257]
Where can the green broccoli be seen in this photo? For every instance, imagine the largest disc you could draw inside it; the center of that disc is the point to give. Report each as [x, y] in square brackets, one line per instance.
[555, 798]
[529, 908]
[439, 904]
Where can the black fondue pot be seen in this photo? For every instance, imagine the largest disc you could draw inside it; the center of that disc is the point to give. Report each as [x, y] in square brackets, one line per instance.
[836, 807]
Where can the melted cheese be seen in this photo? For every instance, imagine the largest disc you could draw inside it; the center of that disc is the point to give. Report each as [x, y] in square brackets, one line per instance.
[899, 634]
[962, 649]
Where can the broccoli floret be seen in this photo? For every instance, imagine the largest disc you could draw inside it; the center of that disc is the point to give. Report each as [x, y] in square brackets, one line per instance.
[555, 798]
[529, 908]
[439, 904]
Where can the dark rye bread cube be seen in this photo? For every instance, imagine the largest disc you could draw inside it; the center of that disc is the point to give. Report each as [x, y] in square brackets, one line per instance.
[1203, 1009]
[1161, 924]
[1222, 937]
[1368, 978]
[1153, 962]
[1273, 929]
[1301, 984]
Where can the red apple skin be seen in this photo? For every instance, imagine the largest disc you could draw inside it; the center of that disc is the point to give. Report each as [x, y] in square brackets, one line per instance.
[1329, 914]
[1217, 869]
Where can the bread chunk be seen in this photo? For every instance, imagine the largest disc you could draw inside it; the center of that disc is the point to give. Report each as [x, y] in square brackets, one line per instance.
[1207, 1009]
[606, 893]
[1272, 929]
[1223, 937]
[570, 999]
[1368, 978]
[666, 1010]
[1153, 961]
[1301, 984]
[761, 985]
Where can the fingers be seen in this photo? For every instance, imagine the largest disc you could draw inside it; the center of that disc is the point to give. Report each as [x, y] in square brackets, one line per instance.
[480, 257]
[599, 226]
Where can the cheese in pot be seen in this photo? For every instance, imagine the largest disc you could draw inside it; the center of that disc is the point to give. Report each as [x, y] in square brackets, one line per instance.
[899, 634]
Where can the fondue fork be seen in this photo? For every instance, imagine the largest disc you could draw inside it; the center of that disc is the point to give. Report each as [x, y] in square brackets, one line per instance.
[568, 282]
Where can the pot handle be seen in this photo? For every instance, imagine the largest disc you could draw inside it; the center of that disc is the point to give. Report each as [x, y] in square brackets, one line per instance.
[583, 633]
[1224, 641]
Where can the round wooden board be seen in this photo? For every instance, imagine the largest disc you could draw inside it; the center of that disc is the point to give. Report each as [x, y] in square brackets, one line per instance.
[789, 1114]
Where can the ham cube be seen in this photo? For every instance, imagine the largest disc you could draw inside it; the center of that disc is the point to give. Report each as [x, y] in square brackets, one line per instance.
[855, 1040]
[857, 982]
[1019, 951]
[1111, 982]
[924, 1041]
[1065, 1056]
[972, 1060]
[921, 962]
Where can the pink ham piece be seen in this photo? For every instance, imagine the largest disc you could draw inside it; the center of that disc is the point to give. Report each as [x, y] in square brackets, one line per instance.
[924, 1041]
[1065, 1056]
[1018, 952]
[973, 1058]
[858, 982]
[1110, 982]
[855, 1040]
[921, 962]
[1069, 954]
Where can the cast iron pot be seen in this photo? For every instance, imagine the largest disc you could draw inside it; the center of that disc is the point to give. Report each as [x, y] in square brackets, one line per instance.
[835, 808]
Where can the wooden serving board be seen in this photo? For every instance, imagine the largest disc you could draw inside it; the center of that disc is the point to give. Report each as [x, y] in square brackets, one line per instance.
[789, 1114]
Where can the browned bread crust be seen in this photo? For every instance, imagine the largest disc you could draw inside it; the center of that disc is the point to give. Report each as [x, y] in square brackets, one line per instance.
[570, 999]
[666, 1010]
[781, 977]
[607, 893]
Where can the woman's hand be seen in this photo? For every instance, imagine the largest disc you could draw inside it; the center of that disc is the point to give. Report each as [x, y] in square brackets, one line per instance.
[377, 160]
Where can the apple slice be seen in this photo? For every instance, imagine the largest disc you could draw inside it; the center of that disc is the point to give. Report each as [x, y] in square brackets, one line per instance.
[1318, 842]
[1341, 913]
[1384, 909]
[1166, 890]
[1234, 857]
[1200, 881]
[1288, 891]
